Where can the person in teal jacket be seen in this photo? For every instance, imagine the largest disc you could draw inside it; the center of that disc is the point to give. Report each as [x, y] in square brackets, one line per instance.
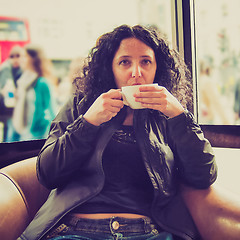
[34, 109]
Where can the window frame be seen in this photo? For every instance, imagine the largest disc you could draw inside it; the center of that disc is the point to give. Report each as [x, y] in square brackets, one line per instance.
[184, 40]
[225, 136]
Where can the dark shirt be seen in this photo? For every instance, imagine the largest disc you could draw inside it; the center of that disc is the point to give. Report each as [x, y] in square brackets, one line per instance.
[16, 73]
[127, 188]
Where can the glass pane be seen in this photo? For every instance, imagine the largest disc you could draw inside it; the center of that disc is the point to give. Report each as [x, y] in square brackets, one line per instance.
[218, 60]
[12, 31]
[68, 29]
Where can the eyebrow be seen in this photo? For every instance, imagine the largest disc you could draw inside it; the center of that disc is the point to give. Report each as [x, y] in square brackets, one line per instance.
[146, 56]
[143, 56]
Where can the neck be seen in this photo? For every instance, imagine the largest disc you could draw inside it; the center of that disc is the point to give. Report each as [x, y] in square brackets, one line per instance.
[129, 118]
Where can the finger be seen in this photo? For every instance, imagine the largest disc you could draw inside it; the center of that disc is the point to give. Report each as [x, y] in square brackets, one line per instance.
[152, 106]
[149, 95]
[114, 109]
[111, 98]
[149, 100]
[151, 88]
[154, 92]
[116, 103]
[115, 93]
[112, 105]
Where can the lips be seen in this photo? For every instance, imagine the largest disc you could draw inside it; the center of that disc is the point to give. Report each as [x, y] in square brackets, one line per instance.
[136, 84]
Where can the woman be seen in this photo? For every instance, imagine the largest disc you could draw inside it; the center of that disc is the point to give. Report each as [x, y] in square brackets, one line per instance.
[10, 72]
[115, 172]
[34, 109]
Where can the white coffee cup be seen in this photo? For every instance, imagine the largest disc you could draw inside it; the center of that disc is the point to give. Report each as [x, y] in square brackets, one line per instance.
[129, 99]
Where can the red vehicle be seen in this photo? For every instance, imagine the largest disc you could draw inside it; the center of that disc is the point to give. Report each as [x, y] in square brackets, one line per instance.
[13, 31]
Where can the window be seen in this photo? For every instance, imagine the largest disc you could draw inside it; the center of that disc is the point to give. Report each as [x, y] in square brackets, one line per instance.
[11, 30]
[218, 60]
[206, 41]
[67, 32]
[219, 134]
[65, 39]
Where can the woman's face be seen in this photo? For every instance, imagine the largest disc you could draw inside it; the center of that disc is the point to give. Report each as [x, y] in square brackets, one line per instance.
[134, 63]
[26, 61]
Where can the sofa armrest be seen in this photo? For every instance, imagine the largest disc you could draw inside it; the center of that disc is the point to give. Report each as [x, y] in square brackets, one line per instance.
[21, 195]
[13, 211]
[216, 212]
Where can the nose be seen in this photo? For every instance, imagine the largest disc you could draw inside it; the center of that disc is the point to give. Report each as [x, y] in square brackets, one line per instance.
[136, 71]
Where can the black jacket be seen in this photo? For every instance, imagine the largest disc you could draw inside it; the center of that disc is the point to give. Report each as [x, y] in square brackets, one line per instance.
[174, 152]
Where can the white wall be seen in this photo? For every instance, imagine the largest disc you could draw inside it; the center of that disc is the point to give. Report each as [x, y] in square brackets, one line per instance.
[228, 161]
[69, 28]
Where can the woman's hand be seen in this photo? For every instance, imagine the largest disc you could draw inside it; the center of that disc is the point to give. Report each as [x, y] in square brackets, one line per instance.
[105, 107]
[159, 98]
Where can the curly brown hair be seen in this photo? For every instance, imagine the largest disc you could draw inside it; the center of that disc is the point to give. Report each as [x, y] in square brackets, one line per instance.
[97, 75]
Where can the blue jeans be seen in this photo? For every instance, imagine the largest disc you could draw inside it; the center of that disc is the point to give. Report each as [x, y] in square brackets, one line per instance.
[115, 228]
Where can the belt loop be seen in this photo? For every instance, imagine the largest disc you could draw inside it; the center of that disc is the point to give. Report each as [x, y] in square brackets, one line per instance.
[110, 225]
[72, 220]
[147, 227]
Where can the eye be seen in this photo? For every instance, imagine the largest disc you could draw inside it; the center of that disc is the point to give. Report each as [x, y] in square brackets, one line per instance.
[146, 61]
[124, 62]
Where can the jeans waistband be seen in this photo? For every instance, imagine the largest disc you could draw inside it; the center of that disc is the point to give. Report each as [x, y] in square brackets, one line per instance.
[111, 225]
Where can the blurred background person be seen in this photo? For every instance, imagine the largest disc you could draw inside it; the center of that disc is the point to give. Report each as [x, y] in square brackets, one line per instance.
[10, 72]
[236, 106]
[212, 108]
[65, 87]
[35, 108]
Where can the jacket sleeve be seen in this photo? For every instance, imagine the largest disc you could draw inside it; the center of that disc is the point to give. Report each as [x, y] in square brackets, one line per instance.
[69, 144]
[193, 152]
